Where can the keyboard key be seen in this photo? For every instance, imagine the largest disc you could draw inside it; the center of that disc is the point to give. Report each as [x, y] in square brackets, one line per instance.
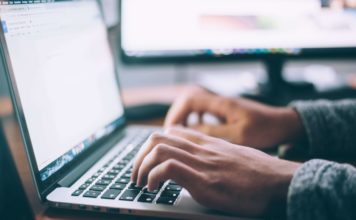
[171, 194]
[108, 177]
[125, 161]
[101, 169]
[77, 192]
[145, 190]
[96, 174]
[166, 200]
[114, 172]
[126, 176]
[160, 185]
[103, 182]
[129, 156]
[91, 194]
[123, 180]
[98, 188]
[173, 188]
[146, 198]
[119, 166]
[129, 195]
[171, 182]
[133, 186]
[84, 186]
[90, 180]
[111, 194]
[119, 186]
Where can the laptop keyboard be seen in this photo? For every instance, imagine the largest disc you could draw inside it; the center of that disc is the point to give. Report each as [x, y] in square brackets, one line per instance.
[112, 181]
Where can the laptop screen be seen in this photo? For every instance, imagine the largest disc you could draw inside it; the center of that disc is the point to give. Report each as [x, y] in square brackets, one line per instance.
[65, 77]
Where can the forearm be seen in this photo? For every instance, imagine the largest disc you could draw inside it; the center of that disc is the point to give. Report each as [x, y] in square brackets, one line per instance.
[330, 128]
[322, 190]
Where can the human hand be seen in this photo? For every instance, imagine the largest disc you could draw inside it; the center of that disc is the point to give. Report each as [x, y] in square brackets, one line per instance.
[218, 174]
[243, 121]
[343, 4]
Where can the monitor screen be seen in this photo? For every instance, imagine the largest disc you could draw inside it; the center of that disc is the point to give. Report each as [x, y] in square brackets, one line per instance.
[65, 77]
[164, 28]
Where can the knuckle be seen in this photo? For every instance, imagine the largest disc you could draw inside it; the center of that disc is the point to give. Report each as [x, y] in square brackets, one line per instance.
[170, 166]
[228, 103]
[171, 130]
[187, 98]
[214, 181]
[160, 150]
[155, 138]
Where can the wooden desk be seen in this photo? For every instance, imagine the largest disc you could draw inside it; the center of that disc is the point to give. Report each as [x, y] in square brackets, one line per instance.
[165, 94]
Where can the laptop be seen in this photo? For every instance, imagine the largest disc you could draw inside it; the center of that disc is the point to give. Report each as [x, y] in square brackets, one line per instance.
[66, 95]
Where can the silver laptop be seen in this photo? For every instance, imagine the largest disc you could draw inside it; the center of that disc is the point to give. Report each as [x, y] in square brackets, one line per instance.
[66, 95]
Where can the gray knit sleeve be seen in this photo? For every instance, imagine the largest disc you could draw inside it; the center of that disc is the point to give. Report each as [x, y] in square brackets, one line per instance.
[322, 190]
[330, 128]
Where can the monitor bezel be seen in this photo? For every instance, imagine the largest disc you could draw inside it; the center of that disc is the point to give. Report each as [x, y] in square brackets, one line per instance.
[45, 187]
[313, 53]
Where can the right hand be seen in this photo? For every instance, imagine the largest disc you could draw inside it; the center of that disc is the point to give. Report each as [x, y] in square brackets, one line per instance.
[219, 175]
[243, 121]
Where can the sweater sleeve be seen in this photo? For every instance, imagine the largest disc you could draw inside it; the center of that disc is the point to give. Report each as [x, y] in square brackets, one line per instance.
[322, 190]
[330, 128]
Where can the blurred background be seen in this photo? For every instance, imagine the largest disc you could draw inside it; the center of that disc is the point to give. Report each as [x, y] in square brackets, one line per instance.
[310, 43]
[277, 52]
[274, 51]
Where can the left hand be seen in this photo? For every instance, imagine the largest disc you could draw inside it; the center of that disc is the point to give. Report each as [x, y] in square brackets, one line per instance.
[217, 174]
[343, 4]
[243, 122]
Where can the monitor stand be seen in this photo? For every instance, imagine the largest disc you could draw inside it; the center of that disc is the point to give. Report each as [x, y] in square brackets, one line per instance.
[277, 90]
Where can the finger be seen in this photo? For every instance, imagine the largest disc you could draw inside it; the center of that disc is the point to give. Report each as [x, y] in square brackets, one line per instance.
[195, 103]
[186, 133]
[201, 117]
[161, 139]
[181, 173]
[163, 153]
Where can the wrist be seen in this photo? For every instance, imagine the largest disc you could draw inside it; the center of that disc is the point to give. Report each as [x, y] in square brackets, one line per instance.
[290, 124]
[279, 192]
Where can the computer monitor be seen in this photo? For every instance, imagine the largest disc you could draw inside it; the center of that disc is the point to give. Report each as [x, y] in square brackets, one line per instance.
[161, 29]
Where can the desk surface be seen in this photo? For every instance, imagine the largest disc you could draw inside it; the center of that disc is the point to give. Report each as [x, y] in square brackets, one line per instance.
[165, 94]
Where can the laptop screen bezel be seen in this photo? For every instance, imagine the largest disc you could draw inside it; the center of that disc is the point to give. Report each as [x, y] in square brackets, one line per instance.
[44, 187]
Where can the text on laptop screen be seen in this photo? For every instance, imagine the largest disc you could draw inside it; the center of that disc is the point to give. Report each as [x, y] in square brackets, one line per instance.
[65, 76]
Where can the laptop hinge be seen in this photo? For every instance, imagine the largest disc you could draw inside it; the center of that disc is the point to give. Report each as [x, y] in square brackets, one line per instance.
[86, 164]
